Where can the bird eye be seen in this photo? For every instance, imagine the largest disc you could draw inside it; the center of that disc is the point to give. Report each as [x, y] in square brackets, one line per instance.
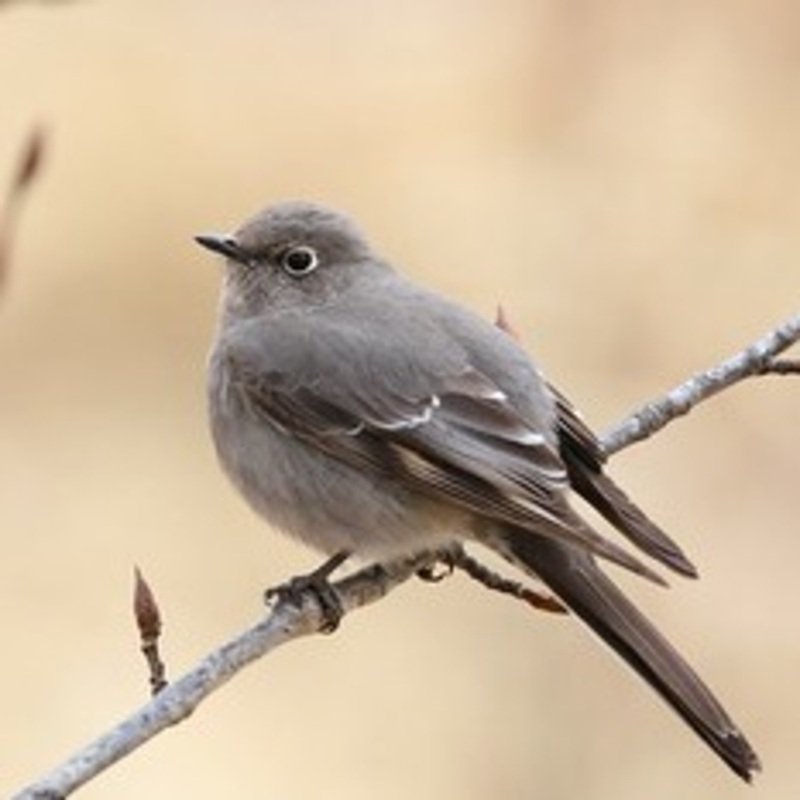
[300, 260]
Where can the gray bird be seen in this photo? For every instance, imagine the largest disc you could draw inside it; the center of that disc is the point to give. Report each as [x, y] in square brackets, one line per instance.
[366, 415]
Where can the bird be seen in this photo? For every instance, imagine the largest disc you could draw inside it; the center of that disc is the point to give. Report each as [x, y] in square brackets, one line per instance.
[369, 416]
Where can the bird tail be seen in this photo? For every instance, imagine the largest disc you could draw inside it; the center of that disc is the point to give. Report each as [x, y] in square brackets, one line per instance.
[584, 459]
[580, 584]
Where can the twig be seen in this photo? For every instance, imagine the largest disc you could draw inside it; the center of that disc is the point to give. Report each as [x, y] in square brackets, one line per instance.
[497, 583]
[757, 359]
[456, 557]
[178, 700]
[28, 167]
[782, 366]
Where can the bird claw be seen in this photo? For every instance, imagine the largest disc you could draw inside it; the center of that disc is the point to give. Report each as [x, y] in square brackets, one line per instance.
[317, 584]
[438, 570]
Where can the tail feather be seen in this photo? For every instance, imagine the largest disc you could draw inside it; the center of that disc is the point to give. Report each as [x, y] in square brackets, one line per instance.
[584, 458]
[581, 585]
[601, 492]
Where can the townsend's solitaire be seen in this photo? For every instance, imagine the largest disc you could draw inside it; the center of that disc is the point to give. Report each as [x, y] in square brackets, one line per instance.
[367, 415]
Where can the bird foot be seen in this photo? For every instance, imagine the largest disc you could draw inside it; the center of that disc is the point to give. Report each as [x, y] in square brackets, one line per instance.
[316, 584]
[439, 569]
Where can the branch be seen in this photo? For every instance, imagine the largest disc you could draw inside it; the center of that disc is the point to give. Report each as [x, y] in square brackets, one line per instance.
[757, 359]
[289, 621]
[460, 559]
[177, 701]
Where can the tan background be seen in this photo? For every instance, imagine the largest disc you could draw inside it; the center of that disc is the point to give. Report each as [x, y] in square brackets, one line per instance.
[623, 175]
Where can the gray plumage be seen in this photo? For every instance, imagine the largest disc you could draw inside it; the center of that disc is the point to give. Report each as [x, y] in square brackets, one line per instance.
[360, 412]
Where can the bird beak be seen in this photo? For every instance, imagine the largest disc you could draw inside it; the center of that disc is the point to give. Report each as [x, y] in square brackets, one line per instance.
[222, 243]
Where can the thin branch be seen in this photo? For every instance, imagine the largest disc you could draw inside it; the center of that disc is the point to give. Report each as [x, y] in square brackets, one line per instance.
[177, 701]
[782, 366]
[291, 621]
[497, 583]
[757, 359]
[456, 557]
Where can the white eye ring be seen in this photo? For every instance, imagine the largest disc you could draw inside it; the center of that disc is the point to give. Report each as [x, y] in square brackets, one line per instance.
[300, 260]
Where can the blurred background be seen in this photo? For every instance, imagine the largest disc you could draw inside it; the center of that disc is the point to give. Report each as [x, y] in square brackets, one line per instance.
[621, 175]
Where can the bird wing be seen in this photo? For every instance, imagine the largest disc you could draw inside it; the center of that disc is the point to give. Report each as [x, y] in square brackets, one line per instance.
[428, 418]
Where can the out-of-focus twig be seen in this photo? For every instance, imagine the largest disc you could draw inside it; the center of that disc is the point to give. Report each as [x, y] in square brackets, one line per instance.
[28, 167]
[503, 322]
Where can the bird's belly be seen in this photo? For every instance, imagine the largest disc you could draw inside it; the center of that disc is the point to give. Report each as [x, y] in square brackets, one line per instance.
[324, 502]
